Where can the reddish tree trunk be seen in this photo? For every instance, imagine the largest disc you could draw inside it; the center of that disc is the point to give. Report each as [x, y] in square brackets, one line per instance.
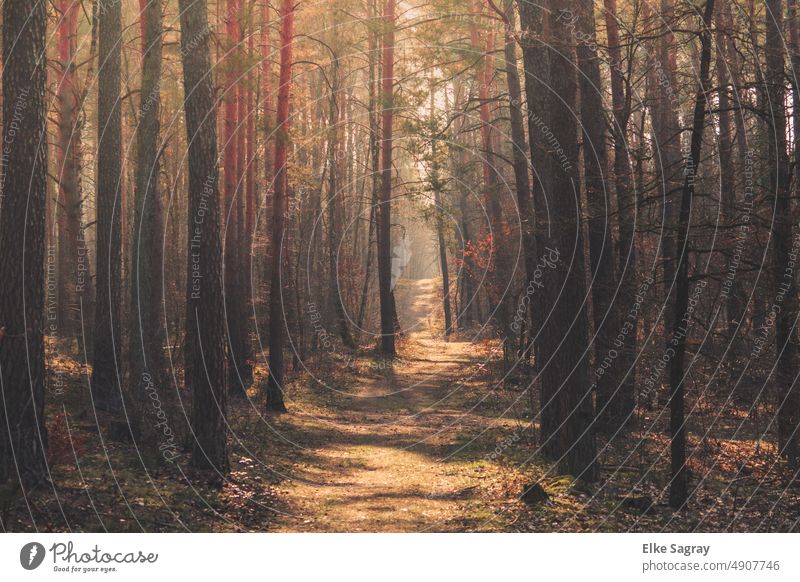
[277, 315]
[266, 99]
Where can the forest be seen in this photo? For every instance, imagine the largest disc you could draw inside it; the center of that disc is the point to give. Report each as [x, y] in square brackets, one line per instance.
[400, 266]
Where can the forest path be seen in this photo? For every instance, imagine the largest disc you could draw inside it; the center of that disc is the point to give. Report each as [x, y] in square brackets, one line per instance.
[408, 447]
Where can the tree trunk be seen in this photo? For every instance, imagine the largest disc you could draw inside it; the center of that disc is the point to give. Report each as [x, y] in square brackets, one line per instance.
[249, 296]
[627, 217]
[23, 436]
[277, 314]
[787, 345]
[239, 369]
[374, 156]
[536, 58]
[334, 196]
[566, 399]
[666, 134]
[614, 403]
[731, 290]
[678, 490]
[519, 146]
[147, 362]
[387, 307]
[437, 186]
[107, 369]
[70, 230]
[497, 289]
[232, 173]
[205, 325]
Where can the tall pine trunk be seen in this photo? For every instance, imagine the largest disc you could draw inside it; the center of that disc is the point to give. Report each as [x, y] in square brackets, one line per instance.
[566, 398]
[334, 198]
[232, 172]
[663, 94]
[626, 219]
[387, 307]
[107, 364]
[205, 325]
[69, 209]
[787, 345]
[679, 487]
[23, 437]
[277, 313]
[147, 362]
[614, 402]
[519, 145]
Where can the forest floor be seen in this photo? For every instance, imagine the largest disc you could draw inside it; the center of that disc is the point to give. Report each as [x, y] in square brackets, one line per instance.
[429, 441]
[406, 447]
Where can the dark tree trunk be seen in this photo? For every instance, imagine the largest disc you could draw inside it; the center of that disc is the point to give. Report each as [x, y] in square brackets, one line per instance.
[232, 173]
[239, 366]
[23, 437]
[334, 197]
[387, 308]
[566, 399]
[666, 133]
[627, 217]
[731, 288]
[519, 145]
[536, 58]
[374, 149]
[147, 362]
[71, 281]
[787, 345]
[679, 486]
[205, 325]
[437, 185]
[448, 314]
[614, 403]
[277, 313]
[107, 368]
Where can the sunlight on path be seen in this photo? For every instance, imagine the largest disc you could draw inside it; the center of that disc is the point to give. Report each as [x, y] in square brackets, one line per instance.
[397, 453]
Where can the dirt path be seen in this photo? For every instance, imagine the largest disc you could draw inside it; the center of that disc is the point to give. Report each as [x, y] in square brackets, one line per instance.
[408, 448]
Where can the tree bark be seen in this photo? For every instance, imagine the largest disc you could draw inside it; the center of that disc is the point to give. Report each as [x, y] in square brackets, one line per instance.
[666, 134]
[23, 436]
[106, 365]
[71, 281]
[205, 325]
[734, 301]
[679, 487]
[787, 345]
[277, 317]
[614, 402]
[566, 399]
[519, 145]
[334, 197]
[385, 207]
[147, 362]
